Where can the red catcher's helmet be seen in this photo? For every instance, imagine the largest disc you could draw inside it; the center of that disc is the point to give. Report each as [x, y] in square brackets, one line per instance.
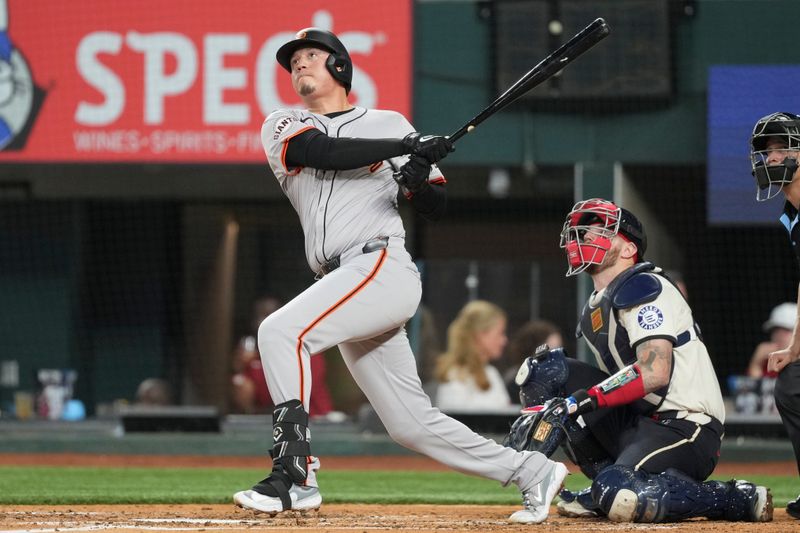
[338, 64]
[605, 220]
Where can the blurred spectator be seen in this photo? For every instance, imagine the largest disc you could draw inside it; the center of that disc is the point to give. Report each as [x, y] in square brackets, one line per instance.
[779, 327]
[524, 343]
[467, 380]
[249, 393]
[154, 391]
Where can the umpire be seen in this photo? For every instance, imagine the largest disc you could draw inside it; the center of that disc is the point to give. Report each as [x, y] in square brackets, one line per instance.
[774, 153]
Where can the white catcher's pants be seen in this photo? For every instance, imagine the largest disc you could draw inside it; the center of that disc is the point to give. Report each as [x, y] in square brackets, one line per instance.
[362, 307]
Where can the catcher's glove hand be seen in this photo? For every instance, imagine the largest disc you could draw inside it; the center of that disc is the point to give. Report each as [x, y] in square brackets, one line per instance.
[519, 436]
[541, 427]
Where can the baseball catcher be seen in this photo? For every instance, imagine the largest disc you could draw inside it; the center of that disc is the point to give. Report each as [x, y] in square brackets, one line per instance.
[646, 424]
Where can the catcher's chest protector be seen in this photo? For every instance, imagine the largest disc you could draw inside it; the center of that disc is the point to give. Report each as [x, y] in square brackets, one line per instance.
[596, 321]
[607, 338]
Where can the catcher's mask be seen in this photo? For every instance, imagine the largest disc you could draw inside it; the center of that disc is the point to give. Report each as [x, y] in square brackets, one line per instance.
[601, 221]
[774, 150]
[542, 376]
[338, 63]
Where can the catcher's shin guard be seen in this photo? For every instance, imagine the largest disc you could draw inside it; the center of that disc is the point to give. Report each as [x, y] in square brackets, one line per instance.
[628, 495]
[290, 452]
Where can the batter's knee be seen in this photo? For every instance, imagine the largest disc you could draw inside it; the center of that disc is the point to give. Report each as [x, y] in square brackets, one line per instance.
[271, 333]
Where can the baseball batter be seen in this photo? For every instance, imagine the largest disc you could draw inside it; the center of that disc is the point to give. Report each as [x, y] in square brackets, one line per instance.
[645, 424]
[340, 166]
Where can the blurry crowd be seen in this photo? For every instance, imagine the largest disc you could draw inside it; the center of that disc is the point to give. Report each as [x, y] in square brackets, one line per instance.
[474, 370]
[474, 373]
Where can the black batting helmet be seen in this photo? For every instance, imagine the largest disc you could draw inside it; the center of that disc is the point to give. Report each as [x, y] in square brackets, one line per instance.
[339, 63]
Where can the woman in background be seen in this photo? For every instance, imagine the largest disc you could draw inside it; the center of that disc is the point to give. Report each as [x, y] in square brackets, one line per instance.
[467, 380]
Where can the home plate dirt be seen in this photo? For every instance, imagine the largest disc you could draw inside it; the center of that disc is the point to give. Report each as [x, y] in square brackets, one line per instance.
[332, 518]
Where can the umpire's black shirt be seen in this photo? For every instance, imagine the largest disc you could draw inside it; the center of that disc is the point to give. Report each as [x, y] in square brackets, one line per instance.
[789, 219]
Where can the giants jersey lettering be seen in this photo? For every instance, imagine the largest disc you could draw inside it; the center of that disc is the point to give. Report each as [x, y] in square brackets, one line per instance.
[344, 208]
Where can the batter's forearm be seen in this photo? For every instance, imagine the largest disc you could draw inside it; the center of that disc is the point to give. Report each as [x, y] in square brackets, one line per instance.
[314, 149]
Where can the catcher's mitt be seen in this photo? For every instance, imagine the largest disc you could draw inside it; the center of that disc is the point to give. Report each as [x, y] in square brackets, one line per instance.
[540, 428]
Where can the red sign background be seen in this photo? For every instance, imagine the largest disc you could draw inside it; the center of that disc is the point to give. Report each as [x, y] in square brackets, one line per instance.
[184, 80]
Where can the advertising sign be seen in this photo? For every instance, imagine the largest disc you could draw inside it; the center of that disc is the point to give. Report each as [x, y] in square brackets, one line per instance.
[175, 80]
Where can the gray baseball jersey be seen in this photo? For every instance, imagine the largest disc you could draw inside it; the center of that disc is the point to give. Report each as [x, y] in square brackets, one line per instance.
[339, 208]
[362, 305]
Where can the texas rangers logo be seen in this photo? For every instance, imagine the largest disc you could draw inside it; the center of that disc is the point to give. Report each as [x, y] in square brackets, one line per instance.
[20, 99]
[650, 317]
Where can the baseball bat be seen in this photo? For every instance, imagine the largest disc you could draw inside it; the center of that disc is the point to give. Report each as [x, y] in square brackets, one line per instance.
[544, 70]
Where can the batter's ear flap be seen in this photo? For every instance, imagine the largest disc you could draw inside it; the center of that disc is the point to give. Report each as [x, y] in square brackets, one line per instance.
[336, 63]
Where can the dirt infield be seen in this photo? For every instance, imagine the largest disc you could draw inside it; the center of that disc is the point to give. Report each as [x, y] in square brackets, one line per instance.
[331, 518]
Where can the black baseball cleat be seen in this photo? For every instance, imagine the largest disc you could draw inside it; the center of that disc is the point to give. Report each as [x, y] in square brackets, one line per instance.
[793, 508]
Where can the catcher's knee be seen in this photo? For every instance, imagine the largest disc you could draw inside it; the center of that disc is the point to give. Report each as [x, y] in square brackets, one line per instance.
[616, 490]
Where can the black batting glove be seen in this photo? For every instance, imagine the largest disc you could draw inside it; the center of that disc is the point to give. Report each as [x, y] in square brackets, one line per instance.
[434, 148]
[413, 175]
